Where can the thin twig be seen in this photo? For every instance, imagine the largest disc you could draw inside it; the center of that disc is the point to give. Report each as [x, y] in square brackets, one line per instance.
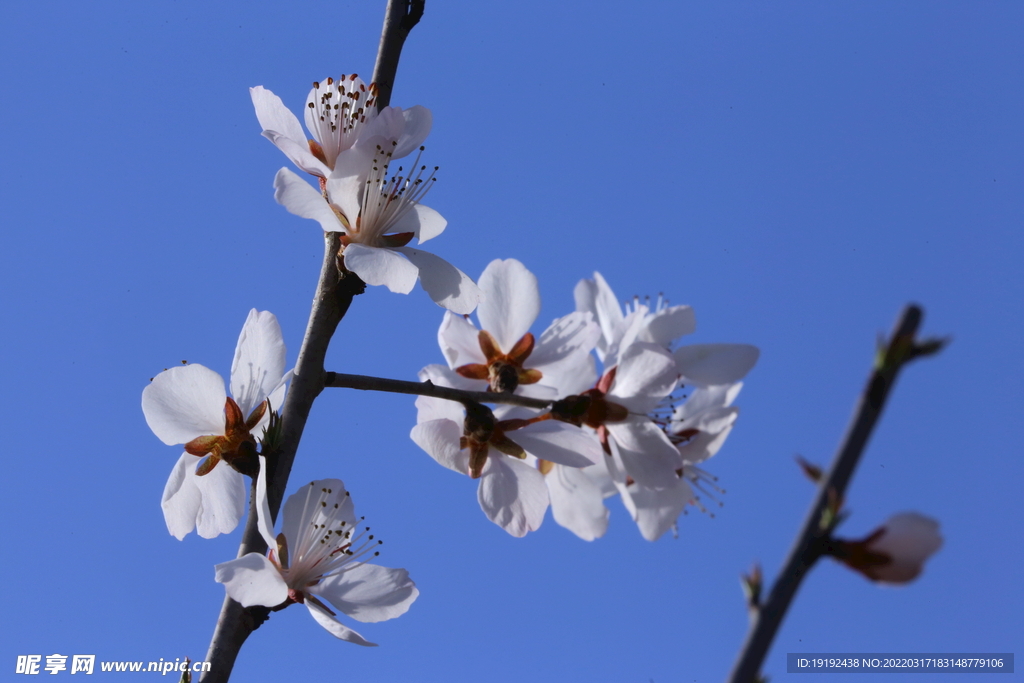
[397, 386]
[808, 546]
[399, 18]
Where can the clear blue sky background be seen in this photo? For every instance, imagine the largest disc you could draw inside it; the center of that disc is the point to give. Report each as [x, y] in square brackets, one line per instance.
[795, 171]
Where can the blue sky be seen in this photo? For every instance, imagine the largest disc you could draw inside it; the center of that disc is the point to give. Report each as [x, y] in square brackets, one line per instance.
[794, 171]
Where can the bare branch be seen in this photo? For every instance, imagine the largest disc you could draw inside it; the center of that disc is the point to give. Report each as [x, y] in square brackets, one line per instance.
[808, 546]
[396, 386]
[399, 19]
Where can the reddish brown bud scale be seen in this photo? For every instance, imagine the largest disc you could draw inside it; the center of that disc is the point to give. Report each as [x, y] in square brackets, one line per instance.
[521, 350]
[472, 371]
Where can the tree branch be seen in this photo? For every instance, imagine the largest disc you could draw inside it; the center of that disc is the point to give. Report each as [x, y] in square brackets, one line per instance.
[330, 303]
[396, 386]
[808, 546]
[399, 18]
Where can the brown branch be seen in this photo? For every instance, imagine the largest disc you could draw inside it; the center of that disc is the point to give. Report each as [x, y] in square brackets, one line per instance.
[399, 19]
[397, 386]
[330, 303]
[807, 549]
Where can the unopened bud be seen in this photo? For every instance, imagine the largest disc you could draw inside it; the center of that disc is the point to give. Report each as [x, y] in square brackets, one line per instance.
[893, 553]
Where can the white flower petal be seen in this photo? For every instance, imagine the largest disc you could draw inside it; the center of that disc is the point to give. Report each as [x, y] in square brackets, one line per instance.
[704, 445]
[384, 131]
[562, 354]
[282, 128]
[264, 520]
[346, 184]
[445, 377]
[447, 286]
[422, 221]
[185, 402]
[418, 121]
[429, 408]
[276, 401]
[656, 510]
[305, 507]
[559, 442]
[668, 324]
[513, 495]
[214, 503]
[564, 337]
[711, 420]
[459, 341]
[222, 500]
[705, 364]
[400, 131]
[541, 391]
[379, 266]
[706, 398]
[647, 454]
[440, 439]
[598, 298]
[274, 116]
[259, 360]
[335, 627]
[369, 593]
[646, 374]
[511, 301]
[252, 580]
[181, 499]
[602, 479]
[351, 169]
[577, 502]
[298, 153]
[299, 197]
[573, 374]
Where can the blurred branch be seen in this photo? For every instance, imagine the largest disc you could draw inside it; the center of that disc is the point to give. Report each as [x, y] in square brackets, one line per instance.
[365, 383]
[399, 19]
[901, 349]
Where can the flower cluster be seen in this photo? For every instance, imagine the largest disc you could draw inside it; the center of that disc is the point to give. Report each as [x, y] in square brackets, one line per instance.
[618, 406]
[604, 434]
[378, 215]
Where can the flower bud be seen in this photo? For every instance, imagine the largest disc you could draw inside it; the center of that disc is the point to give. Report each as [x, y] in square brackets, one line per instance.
[895, 552]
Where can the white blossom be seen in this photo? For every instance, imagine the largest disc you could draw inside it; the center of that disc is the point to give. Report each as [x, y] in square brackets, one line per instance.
[502, 355]
[189, 405]
[339, 114]
[319, 560]
[511, 492]
[378, 217]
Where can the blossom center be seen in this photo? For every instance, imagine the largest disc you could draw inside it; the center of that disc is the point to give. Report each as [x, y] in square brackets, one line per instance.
[383, 202]
[337, 110]
[328, 544]
[503, 371]
[481, 432]
[236, 445]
